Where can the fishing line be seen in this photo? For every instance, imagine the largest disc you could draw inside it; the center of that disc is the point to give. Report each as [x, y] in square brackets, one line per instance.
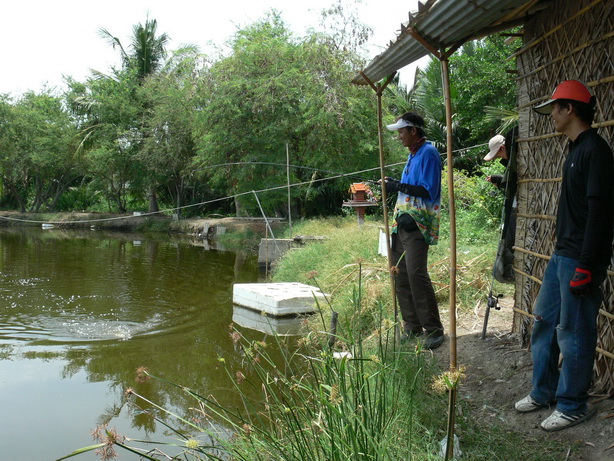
[228, 197]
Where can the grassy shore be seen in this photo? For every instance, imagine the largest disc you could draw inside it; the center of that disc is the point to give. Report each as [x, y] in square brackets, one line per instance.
[349, 255]
[347, 267]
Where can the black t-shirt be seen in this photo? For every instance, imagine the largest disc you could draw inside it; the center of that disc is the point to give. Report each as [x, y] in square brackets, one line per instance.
[584, 225]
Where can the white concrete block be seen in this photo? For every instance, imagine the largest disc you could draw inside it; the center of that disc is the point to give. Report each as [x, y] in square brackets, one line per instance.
[282, 326]
[278, 299]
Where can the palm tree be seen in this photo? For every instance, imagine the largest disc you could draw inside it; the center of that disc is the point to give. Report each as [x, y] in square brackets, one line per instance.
[147, 51]
[507, 118]
[146, 55]
[425, 98]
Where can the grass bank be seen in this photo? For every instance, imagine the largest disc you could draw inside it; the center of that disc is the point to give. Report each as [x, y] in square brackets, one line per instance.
[348, 256]
[347, 267]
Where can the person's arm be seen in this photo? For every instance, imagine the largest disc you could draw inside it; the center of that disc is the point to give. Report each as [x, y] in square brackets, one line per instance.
[394, 185]
[599, 222]
[496, 179]
[596, 237]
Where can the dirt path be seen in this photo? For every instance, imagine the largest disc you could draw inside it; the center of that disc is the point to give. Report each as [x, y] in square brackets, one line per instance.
[498, 373]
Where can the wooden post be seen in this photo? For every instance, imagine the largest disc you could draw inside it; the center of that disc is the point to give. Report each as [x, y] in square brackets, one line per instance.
[379, 90]
[289, 196]
[445, 73]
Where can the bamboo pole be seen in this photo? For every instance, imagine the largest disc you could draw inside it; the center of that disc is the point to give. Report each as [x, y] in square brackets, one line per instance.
[603, 124]
[604, 352]
[565, 55]
[554, 29]
[289, 195]
[537, 216]
[546, 257]
[532, 253]
[529, 276]
[590, 84]
[521, 312]
[379, 90]
[445, 72]
[539, 180]
[450, 160]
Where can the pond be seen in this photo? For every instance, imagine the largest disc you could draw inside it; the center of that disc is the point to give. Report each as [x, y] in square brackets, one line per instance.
[80, 311]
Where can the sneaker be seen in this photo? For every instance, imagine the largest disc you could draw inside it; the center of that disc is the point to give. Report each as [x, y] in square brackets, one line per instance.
[409, 335]
[559, 420]
[433, 342]
[529, 404]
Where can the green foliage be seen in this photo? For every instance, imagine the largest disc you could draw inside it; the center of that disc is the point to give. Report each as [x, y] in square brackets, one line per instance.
[37, 160]
[276, 92]
[478, 72]
[477, 200]
[147, 50]
[482, 93]
[81, 198]
[168, 147]
[181, 128]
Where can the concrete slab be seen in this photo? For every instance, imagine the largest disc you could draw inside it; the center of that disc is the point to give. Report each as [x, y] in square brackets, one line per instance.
[254, 320]
[277, 299]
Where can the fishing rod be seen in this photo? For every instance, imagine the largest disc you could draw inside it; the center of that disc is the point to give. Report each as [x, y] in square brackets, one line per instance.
[341, 175]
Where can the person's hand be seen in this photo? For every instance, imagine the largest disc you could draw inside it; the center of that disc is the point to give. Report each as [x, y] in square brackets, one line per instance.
[581, 282]
[489, 178]
[391, 185]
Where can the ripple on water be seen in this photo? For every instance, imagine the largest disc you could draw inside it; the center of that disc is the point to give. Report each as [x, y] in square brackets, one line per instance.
[104, 329]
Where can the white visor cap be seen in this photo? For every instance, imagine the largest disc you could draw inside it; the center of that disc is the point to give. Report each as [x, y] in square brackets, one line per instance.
[399, 124]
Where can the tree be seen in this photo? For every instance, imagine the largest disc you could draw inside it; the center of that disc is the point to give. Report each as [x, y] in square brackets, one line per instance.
[147, 50]
[145, 57]
[480, 77]
[37, 159]
[168, 145]
[273, 91]
[108, 113]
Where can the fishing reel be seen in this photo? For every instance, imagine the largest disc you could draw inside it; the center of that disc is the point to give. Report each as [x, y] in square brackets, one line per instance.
[493, 301]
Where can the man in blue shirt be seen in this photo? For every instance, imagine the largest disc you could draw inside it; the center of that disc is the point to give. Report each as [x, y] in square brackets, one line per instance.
[415, 228]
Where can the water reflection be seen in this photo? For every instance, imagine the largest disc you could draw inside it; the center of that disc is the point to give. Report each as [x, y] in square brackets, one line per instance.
[81, 311]
[256, 320]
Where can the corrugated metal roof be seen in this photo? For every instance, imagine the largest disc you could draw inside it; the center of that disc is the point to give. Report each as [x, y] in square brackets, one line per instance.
[445, 24]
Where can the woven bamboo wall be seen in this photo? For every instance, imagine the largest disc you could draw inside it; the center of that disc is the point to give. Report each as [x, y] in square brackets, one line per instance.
[571, 39]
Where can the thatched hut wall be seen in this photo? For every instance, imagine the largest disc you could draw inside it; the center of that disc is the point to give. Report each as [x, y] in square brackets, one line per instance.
[571, 39]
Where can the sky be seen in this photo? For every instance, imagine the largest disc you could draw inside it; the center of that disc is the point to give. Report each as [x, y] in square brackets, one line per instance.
[44, 40]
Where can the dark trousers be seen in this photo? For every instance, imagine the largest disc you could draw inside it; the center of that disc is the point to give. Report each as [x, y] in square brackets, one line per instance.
[414, 289]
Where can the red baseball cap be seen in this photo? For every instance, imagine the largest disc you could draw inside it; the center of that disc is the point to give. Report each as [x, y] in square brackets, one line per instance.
[569, 89]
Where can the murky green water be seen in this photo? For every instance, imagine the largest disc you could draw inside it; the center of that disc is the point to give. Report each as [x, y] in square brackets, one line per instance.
[81, 311]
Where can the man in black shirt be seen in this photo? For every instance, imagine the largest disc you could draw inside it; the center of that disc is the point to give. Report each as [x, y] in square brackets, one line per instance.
[505, 148]
[568, 303]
